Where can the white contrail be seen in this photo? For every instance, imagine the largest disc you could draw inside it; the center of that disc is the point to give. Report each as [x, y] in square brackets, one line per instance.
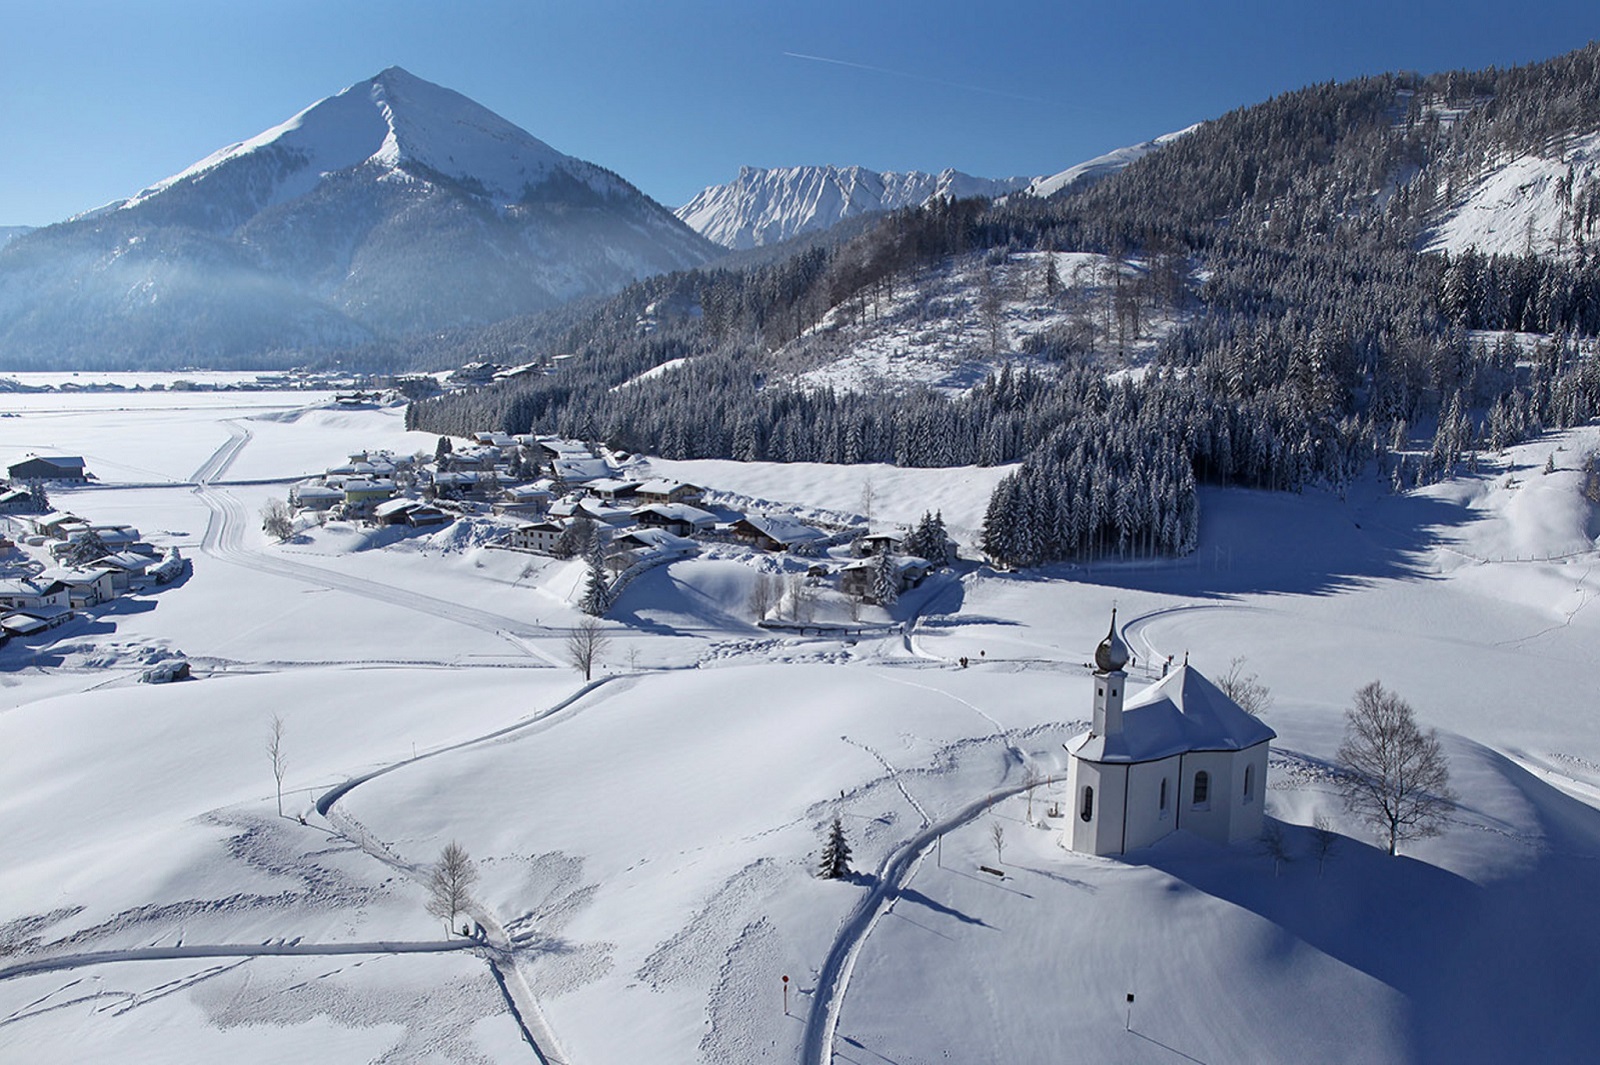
[915, 77]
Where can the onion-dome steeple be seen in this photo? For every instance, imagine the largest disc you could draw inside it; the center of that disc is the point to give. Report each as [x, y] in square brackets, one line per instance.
[1112, 654]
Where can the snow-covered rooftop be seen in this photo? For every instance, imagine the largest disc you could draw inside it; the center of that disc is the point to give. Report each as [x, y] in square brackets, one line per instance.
[1182, 712]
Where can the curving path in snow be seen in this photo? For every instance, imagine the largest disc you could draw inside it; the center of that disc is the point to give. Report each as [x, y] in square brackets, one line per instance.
[224, 541]
[519, 997]
[893, 874]
[215, 466]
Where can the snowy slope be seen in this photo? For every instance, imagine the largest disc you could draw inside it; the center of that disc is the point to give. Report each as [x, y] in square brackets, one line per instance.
[768, 206]
[1101, 166]
[645, 845]
[1532, 204]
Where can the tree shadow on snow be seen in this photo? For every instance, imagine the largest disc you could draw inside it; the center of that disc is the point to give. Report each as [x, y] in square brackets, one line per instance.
[1310, 543]
[1492, 970]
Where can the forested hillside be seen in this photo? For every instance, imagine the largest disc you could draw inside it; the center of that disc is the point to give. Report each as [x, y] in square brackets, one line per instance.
[1316, 337]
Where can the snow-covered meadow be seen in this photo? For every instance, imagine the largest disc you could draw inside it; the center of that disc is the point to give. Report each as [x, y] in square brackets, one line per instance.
[645, 843]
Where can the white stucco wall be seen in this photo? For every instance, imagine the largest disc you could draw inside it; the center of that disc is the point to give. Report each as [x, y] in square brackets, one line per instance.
[1102, 833]
[1147, 822]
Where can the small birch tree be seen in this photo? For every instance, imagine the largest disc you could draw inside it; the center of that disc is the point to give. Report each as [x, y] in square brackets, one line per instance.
[280, 762]
[450, 884]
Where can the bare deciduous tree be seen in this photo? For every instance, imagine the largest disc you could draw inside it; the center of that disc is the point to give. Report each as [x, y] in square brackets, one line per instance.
[763, 593]
[1396, 777]
[450, 884]
[280, 761]
[1244, 688]
[802, 599]
[1030, 780]
[1323, 840]
[1273, 842]
[275, 519]
[586, 643]
[997, 836]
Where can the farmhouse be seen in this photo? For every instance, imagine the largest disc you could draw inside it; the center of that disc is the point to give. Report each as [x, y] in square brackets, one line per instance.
[15, 501]
[524, 499]
[1180, 754]
[612, 489]
[775, 532]
[126, 568]
[540, 536]
[67, 468]
[678, 518]
[580, 469]
[664, 491]
[906, 571]
[85, 587]
[24, 594]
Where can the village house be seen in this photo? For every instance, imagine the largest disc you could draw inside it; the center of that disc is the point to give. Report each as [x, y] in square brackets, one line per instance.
[679, 519]
[611, 489]
[592, 509]
[667, 491]
[313, 495]
[775, 532]
[412, 512]
[1180, 754]
[481, 458]
[462, 484]
[25, 593]
[540, 536]
[127, 568]
[554, 447]
[361, 495]
[15, 501]
[524, 499]
[882, 542]
[634, 546]
[67, 469]
[52, 524]
[85, 587]
[576, 470]
[859, 578]
[34, 620]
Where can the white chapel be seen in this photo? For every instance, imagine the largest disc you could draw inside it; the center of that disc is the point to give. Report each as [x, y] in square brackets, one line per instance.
[1180, 754]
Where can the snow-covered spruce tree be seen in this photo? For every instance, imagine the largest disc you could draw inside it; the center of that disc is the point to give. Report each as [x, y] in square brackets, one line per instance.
[835, 864]
[884, 590]
[596, 584]
[38, 497]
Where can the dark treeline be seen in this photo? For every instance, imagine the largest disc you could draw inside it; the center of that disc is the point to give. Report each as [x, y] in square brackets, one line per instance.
[1315, 334]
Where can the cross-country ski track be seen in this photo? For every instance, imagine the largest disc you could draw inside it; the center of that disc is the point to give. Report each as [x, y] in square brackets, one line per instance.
[224, 541]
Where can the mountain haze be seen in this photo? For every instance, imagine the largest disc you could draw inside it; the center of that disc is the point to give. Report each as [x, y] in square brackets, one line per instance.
[396, 205]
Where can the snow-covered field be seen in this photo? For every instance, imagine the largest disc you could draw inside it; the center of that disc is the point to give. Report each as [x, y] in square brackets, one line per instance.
[645, 843]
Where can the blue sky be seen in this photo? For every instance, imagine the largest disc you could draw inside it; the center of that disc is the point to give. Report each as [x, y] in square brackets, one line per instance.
[99, 99]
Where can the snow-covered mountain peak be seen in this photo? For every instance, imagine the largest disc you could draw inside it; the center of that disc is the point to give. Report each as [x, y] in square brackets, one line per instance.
[401, 123]
[768, 205]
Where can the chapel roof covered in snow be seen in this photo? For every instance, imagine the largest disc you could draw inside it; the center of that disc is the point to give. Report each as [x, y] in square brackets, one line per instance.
[1182, 712]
